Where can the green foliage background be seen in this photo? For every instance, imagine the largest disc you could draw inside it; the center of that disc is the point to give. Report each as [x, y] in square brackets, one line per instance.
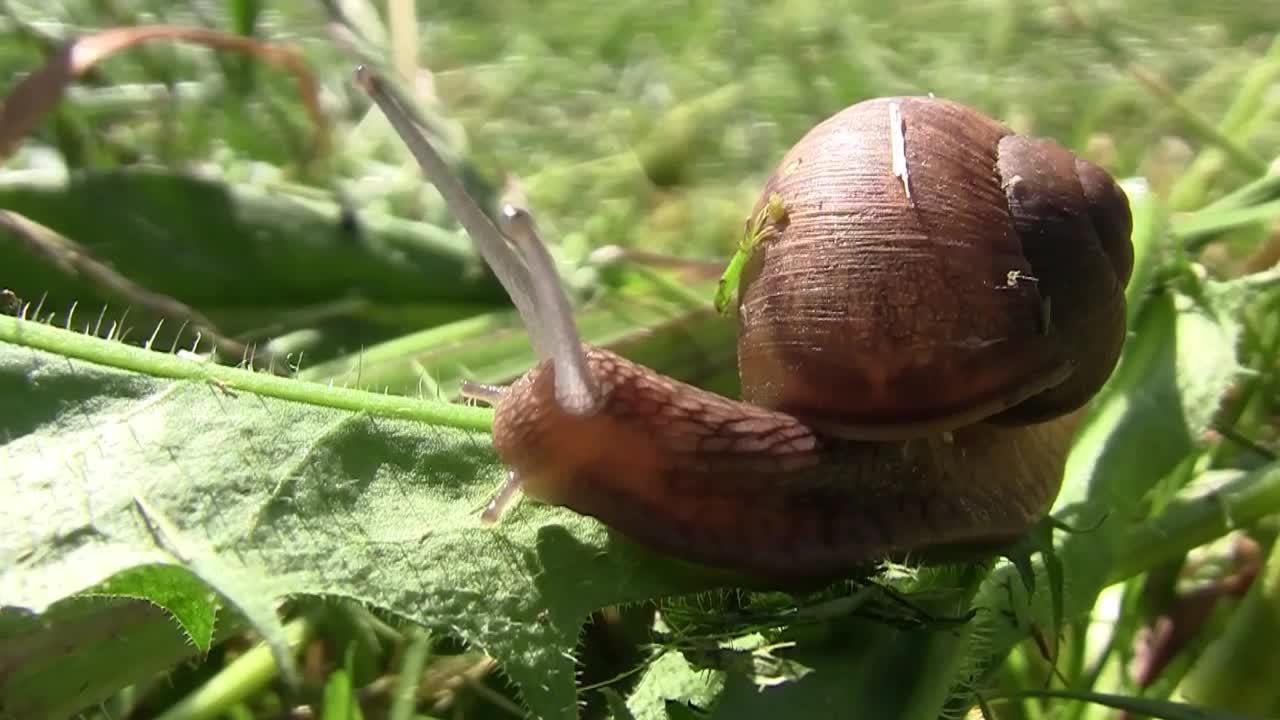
[165, 511]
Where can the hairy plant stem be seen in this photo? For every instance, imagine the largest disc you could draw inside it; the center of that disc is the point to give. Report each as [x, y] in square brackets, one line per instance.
[159, 364]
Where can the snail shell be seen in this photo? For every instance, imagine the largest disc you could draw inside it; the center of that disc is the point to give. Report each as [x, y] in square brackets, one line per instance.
[933, 269]
[933, 300]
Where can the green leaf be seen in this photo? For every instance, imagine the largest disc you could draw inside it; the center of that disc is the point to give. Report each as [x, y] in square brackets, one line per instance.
[250, 595]
[180, 593]
[672, 679]
[1222, 500]
[882, 671]
[752, 656]
[1040, 541]
[67, 658]
[210, 243]
[1161, 399]
[1207, 333]
[287, 489]
[617, 705]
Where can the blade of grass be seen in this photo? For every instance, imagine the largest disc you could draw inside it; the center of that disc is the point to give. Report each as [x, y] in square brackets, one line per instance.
[1194, 123]
[239, 680]
[405, 699]
[1163, 709]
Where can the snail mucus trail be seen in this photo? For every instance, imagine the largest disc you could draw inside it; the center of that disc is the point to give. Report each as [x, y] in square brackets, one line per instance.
[742, 487]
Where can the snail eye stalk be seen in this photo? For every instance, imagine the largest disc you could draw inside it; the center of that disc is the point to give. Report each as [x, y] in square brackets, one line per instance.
[516, 254]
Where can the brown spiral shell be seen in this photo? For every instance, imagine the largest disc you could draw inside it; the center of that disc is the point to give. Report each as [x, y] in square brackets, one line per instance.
[984, 282]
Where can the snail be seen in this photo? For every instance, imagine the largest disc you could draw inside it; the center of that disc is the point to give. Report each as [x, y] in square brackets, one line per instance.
[931, 301]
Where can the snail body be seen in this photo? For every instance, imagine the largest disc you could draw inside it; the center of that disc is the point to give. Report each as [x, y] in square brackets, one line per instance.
[918, 330]
[733, 485]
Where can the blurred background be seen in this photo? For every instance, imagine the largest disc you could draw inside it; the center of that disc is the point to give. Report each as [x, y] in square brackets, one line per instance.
[218, 184]
[267, 200]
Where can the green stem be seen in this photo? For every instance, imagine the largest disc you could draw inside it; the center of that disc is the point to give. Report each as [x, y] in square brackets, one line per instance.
[245, 676]
[1191, 522]
[1228, 675]
[1256, 192]
[1200, 228]
[940, 659]
[405, 701]
[157, 364]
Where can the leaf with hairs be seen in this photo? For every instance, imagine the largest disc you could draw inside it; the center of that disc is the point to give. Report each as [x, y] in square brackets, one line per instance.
[272, 487]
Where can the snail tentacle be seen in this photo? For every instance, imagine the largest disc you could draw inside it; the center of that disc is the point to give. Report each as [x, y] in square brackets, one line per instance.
[507, 493]
[505, 263]
[575, 387]
[527, 272]
[489, 394]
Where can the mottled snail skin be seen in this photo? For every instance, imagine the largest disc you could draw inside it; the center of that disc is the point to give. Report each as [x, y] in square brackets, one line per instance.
[730, 485]
[924, 356]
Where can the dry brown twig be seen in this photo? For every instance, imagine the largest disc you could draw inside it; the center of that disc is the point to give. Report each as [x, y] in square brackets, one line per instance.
[38, 93]
[75, 261]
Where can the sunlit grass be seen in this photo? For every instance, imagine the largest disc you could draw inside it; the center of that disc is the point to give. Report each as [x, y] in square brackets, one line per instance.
[652, 124]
